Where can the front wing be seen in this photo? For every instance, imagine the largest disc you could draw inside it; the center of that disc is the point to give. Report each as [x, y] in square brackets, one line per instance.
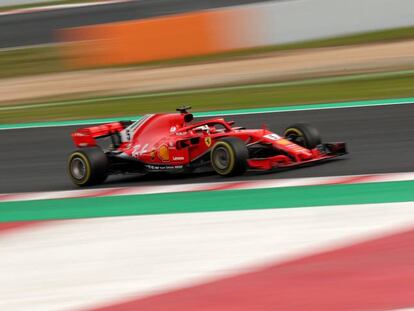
[322, 152]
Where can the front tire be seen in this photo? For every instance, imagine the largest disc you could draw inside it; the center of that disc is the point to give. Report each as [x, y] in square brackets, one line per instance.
[88, 166]
[303, 134]
[229, 156]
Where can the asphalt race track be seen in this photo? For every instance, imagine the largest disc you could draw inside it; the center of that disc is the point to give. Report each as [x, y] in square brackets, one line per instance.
[380, 140]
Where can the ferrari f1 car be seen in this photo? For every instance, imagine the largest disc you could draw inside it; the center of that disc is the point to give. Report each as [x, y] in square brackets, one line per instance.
[175, 143]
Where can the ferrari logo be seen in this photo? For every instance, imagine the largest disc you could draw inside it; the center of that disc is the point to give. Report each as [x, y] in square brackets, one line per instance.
[207, 141]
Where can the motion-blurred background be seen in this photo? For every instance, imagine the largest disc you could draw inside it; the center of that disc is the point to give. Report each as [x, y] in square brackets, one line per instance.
[337, 236]
[53, 52]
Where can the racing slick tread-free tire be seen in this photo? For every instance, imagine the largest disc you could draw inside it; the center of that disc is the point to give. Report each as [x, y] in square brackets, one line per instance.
[303, 134]
[229, 156]
[88, 166]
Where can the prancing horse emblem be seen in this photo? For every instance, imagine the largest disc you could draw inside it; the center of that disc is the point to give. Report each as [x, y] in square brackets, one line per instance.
[207, 140]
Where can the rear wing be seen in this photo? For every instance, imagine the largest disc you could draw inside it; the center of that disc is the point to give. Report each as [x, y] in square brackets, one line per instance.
[86, 137]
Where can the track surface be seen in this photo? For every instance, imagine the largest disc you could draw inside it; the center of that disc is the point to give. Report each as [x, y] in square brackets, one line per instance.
[380, 140]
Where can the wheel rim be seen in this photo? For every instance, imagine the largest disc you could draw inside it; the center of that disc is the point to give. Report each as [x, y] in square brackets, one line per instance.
[298, 139]
[221, 158]
[78, 168]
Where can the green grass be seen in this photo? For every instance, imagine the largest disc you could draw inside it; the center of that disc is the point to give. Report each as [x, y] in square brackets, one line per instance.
[42, 3]
[357, 89]
[31, 61]
[22, 62]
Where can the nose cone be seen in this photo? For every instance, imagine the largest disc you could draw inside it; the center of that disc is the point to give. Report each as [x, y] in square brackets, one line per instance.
[298, 151]
[305, 155]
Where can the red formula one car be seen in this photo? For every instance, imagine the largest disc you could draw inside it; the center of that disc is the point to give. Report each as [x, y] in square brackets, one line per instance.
[174, 143]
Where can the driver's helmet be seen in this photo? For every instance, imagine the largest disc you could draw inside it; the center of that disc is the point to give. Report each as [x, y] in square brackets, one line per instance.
[202, 128]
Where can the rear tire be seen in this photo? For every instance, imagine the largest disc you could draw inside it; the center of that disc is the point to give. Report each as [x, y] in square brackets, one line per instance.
[229, 156]
[88, 166]
[303, 134]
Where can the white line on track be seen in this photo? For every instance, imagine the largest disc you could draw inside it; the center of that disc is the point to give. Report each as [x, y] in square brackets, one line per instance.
[45, 8]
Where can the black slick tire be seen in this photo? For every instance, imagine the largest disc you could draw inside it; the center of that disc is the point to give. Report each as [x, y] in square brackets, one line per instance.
[303, 134]
[88, 166]
[229, 156]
